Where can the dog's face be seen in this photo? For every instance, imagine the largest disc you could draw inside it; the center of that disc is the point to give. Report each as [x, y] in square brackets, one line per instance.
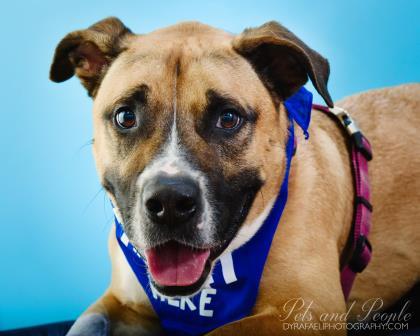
[189, 133]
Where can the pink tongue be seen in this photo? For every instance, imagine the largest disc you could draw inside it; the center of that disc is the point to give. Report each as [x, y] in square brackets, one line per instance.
[174, 264]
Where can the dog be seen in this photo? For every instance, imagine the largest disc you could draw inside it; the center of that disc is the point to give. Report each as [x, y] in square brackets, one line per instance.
[190, 131]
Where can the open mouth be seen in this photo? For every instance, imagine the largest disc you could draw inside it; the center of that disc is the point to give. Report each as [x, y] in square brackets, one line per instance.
[178, 269]
[174, 265]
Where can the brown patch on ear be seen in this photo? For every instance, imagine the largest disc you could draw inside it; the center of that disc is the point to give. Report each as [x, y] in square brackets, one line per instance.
[88, 53]
[282, 60]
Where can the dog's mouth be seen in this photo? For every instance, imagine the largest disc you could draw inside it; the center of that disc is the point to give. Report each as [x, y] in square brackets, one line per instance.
[175, 265]
[179, 269]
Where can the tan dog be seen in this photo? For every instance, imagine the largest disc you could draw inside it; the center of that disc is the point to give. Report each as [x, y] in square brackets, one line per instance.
[204, 107]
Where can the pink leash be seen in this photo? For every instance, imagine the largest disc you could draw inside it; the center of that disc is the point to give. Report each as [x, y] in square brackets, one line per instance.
[361, 153]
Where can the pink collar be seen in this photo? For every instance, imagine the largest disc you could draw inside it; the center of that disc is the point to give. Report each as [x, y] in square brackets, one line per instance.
[361, 153]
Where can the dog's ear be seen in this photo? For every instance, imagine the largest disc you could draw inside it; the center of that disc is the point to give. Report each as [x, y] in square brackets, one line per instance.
[89, 52]
[282, 60]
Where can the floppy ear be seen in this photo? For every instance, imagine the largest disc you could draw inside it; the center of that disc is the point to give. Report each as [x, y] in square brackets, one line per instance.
[89, 52]
[282, 60]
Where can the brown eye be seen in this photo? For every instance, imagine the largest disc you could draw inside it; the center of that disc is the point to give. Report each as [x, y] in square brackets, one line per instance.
[229, 119]
[125, 118]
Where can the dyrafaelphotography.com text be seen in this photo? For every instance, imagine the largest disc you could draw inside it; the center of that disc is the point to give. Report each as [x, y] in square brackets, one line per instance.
[297, 315]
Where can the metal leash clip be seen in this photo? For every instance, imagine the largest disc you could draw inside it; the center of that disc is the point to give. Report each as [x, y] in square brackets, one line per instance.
[346, 120]
[353, 130]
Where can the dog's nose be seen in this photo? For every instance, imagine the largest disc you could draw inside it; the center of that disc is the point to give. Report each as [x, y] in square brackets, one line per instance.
[171, 199]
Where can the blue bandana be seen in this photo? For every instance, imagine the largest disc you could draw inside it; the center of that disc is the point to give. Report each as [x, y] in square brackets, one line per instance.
[235, 279]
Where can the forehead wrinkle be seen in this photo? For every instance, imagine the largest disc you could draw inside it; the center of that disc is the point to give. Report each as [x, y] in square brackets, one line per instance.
[209, 73]
[130, 94]
[216, 97]
[122, 77]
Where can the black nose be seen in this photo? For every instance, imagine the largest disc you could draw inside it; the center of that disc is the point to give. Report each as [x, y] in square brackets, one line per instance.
[171, 199]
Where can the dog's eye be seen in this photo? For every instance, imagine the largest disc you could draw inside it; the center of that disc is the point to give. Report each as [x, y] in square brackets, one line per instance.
[229, 119]
[125, 118]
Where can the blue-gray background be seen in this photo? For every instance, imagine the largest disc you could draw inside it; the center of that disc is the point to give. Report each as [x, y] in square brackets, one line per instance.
[54, 217]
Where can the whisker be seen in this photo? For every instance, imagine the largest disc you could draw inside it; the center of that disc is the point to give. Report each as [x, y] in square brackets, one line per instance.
[92, 200]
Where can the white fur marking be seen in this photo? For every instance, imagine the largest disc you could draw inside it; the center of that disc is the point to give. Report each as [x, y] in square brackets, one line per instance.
[246, 232]
[170, 169]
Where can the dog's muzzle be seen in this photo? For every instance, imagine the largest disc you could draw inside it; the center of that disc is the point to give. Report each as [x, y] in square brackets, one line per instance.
[173, 207]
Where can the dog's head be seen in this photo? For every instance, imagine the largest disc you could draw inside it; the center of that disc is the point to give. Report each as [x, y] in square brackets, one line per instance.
[189, 133]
